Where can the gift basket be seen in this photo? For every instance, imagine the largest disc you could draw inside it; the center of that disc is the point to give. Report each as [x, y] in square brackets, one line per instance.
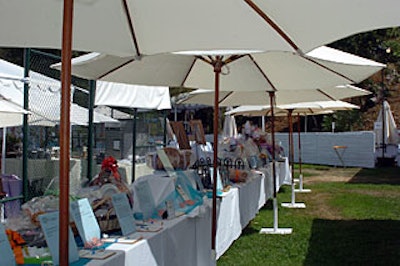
[253, 146]
[25, 230]
[100, 190]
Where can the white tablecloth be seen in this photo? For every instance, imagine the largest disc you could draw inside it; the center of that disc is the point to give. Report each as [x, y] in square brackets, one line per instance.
[241, 204]
[182, 241]
[186, 240]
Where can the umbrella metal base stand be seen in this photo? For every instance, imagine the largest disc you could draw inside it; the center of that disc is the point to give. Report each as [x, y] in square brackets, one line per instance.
[275, 230]
[301, 189]
[296, 205]
[293, 204]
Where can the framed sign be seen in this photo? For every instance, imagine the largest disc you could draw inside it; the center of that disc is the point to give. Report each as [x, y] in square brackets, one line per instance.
[197, 130]
[180, 134]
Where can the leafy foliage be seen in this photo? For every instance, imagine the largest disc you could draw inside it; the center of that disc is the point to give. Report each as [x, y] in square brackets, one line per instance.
[344, 121]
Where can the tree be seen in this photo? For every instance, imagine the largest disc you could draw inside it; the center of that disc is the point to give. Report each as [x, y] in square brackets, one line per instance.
[344, 120]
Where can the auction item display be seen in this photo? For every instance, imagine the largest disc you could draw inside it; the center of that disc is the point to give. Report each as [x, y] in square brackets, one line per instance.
[107, 210]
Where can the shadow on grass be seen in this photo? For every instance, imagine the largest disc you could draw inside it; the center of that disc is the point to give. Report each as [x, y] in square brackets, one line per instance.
[354, 242]
[267, 206]
[249, 230]
[381, 175]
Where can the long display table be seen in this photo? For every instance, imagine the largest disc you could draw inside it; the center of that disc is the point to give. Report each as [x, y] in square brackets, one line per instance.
[186, 240]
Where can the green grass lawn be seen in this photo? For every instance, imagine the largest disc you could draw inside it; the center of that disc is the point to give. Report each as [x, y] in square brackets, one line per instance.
[345, 223]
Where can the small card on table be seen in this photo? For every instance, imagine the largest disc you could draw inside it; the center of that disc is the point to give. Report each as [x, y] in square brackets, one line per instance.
[124, 213]
[50, 226]
[85, 220]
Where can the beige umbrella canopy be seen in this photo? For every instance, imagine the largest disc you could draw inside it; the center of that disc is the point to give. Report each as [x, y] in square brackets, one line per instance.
[126, 27]
[312, 108]
[236, 98]
[324, 67]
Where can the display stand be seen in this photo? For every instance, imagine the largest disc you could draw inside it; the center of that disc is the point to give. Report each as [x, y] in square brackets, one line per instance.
[180, 133]
[196, 127]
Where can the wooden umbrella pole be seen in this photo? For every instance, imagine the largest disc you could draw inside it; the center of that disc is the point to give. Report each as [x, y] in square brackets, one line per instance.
[135, 113]
[217, 71]
[293, 203]
[299, 143]
[291, 149]
[65, 131]
[271, 100]
[300, 189]
[275, 229]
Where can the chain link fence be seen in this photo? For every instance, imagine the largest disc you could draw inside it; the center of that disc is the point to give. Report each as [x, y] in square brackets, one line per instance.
[43, 137]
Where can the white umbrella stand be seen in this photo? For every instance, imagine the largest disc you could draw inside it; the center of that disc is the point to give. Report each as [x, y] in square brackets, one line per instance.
[301, 188]
[275, 230]
[293, 203]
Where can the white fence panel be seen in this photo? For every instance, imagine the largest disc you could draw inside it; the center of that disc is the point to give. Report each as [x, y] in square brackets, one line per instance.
[317, 148]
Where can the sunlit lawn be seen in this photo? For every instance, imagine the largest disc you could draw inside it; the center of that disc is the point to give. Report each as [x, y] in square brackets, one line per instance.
[344, 224]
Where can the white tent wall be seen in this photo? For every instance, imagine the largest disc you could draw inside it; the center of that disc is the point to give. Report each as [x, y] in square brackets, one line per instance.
[135, 138]
[44, 104]
[317, 148]
[44, 97]
[132, 96]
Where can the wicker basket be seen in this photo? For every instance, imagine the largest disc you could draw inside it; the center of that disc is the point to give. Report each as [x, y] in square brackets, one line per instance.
[109, 221]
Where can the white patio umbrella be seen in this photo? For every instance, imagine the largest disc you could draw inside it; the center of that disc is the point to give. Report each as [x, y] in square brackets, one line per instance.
[258, 72]
[230, 128]
[385, 129]
[324, 67]
[259, 98]
[265, 110]
[302, 108]
[125, 28]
